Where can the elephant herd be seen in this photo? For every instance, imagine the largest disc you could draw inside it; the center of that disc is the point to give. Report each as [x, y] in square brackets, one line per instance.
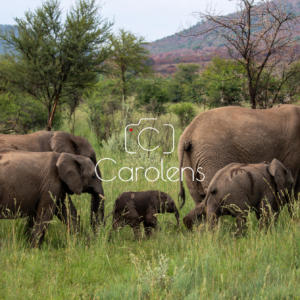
[249, 157]
[235, 148]
[38, 170]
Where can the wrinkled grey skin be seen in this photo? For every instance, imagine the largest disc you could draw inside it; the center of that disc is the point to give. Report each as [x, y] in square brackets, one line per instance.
[238, 188]
[61, 142]
[133, 208]
[36, 184]
[221, 136]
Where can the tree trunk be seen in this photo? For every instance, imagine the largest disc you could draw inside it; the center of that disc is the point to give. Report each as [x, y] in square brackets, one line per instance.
[252, 95]
[52, 114]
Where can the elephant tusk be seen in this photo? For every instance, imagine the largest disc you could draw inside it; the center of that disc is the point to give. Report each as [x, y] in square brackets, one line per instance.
[101, 196]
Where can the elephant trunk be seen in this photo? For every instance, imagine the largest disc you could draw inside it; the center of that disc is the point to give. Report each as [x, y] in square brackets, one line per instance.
[192, 216]
[97, 205]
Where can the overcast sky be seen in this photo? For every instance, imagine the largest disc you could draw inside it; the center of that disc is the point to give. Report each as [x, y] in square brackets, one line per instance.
[152, 19]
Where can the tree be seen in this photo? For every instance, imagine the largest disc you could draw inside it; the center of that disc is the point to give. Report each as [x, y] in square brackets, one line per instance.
[224, 81]
[48, 59]
[187, 73]
[261, 37]
[129, 59]
[185, 113]
[152, 97]
[102, 106]
[185, 85]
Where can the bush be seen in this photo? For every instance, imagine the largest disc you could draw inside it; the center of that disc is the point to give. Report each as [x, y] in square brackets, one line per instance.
[152, 97]
[22, 114]
[185, 112]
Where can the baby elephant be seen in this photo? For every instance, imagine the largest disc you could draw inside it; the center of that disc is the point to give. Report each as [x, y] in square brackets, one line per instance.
[238, 187]
[132, 208]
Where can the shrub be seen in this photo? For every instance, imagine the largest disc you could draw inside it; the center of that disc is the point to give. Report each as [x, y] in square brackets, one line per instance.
[185, 112]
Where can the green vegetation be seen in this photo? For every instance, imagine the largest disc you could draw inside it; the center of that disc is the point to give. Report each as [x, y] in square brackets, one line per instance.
[129, 60]
[185, 112]
[50, 59]
[225, 83]
[172, 264]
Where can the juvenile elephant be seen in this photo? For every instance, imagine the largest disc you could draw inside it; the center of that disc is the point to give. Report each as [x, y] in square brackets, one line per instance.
[61, 142]
[133, 208]
[36, 184]
[221, 136]
[239, 187]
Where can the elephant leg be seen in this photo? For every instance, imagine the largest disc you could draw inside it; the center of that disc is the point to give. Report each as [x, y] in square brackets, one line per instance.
[67, 213]
[149, 223]
[29, 225]
[297, 186]
[266, 214]
[118, 221]
[133, 219]
[241, 224]
[45, 214]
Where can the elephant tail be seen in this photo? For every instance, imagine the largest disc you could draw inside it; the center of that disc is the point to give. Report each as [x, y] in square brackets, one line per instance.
[182, 147]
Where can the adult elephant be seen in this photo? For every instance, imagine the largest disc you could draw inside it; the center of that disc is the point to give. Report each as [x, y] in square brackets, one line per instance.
[36, 183]
[61, 142]
[221, 136]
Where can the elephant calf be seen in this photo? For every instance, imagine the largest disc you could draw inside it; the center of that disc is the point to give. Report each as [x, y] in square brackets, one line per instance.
[238, 187]
[36, 183]
[132, 208]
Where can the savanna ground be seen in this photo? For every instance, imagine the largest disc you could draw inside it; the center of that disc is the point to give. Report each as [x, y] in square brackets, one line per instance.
[172, 264]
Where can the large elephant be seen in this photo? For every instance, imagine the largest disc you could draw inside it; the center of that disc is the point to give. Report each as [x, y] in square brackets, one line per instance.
[36, 184]
[221, 136]
[238, 188]
[61, 142]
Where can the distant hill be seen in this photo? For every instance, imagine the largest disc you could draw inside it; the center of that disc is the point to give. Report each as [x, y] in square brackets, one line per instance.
[174, 49]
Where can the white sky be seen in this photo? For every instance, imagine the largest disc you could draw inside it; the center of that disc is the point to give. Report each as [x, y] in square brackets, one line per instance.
[152, 19]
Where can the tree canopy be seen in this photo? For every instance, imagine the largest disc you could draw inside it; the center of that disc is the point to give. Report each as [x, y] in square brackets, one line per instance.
[47, 58]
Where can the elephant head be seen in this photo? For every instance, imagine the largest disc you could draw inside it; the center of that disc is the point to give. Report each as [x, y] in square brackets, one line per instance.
[78, 173]
[63, 142]
[167, 204]
[282, 176]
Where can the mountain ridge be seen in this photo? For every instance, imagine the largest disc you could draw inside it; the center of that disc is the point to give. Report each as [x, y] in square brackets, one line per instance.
[175, 49]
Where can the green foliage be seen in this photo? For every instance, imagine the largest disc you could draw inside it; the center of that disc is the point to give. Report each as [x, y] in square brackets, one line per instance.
[51, 58]
[176, 91]
[104, 105]
[187, 73]
[172, 264]
[186, 84]
[22, 114]
[129, 59]
[224, 82]
[152, 96]
[185, 112]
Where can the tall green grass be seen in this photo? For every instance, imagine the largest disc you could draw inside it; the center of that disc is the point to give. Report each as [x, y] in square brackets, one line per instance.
[172, 264]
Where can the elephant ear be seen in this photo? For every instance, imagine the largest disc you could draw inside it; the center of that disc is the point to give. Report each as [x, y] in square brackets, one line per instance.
[282, 176]
[63, 142]
[70, 172]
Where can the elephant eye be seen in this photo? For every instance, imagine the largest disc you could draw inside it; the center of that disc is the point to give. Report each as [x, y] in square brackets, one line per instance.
[94, 176]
